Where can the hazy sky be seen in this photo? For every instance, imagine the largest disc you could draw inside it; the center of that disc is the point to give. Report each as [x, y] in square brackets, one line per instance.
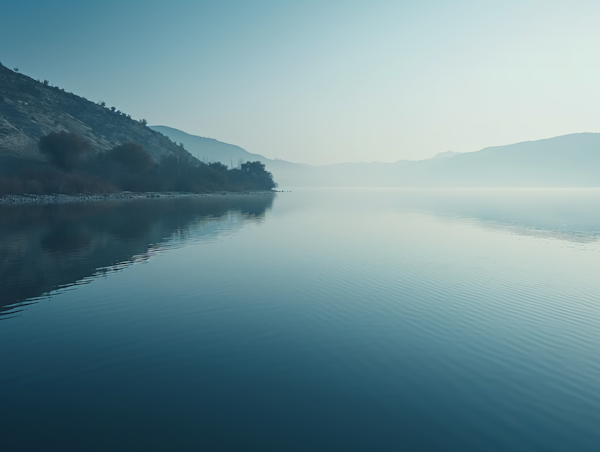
[324, 81]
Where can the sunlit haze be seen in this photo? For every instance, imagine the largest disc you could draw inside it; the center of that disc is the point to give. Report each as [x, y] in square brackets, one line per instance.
[327, 81]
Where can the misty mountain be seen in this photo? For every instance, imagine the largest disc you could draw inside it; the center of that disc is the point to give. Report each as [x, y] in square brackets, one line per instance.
[289, 174]
[30, 109]
[564, 161]
[211, 150]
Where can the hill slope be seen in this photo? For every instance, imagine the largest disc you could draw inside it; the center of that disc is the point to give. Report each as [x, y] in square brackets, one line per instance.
[30, 109]
[89, 148]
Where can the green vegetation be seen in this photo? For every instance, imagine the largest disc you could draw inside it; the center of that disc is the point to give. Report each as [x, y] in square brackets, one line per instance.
[64, 149]
[96, 149]
[74, 168]
[132, 156]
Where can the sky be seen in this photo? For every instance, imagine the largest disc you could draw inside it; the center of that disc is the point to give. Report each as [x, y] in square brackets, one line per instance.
[324, 81]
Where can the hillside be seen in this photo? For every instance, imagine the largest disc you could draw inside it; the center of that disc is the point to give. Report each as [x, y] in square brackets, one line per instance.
[30, 109]
[52, 141]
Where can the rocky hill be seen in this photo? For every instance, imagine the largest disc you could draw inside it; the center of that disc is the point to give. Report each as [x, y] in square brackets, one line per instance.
[54, 142]
[30, 109]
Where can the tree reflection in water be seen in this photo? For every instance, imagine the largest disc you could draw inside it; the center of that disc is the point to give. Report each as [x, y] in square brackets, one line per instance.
[47, 247]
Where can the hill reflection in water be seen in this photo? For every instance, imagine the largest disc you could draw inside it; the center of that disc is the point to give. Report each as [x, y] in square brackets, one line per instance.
[49, 247]
[570, 214]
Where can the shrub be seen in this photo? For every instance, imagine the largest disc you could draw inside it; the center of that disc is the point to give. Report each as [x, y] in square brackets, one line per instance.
[63, 148]
[52, 180]
[218, 166]
[256, 172]
[132, 156]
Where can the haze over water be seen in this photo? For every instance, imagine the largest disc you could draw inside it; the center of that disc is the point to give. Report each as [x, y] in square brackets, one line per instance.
[336, 319]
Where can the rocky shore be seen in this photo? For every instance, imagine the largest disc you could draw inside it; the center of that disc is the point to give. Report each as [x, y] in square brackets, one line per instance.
[123, 196]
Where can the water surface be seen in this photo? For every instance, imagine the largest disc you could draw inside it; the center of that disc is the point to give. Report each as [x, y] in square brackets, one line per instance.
[338, 319]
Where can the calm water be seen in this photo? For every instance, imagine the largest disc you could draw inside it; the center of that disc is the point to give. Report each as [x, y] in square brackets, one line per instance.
[367, 320]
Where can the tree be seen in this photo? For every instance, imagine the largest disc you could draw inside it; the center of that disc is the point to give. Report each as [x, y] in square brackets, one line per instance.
[131, 155]
[63, 148]
[256, 171]
[218, 166]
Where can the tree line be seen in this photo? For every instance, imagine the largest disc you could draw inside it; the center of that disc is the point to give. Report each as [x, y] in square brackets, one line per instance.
[74, 168]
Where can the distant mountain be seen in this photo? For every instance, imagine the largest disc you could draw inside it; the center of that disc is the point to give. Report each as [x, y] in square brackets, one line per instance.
[444, 155]
[210, 150]
[30, 109]
[289, 174]
[564, 161]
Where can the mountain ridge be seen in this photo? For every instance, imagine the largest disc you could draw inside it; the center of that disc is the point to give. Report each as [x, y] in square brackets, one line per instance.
[570, 160]
[30, 109]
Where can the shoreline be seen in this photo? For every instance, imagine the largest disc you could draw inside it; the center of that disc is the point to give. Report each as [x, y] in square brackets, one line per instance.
[9, 200]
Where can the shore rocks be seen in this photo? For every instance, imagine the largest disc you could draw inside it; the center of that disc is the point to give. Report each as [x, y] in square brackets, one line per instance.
[59, 198]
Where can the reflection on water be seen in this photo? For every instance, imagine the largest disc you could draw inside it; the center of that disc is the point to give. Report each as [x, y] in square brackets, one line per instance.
[565, 214]
[353, 320]
[44, 248]
[569, 214]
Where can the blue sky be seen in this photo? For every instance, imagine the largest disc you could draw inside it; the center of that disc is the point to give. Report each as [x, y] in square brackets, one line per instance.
[324, 81]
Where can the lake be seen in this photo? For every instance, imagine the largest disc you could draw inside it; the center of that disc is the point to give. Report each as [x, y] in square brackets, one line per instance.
[317, 319]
